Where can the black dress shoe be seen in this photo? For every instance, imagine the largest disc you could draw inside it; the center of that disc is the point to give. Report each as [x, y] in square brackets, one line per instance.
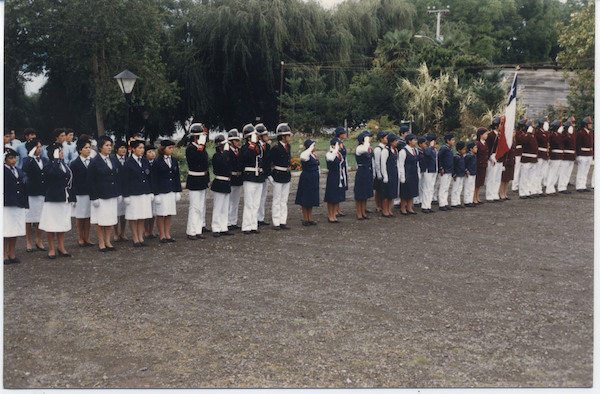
[412, 213]
[42, 249]
[29, 250]
[61, 254]
[137, 245]
[103, 250]
[284, 227]
[247, 232]
[340, 214]
[564, 192]
[405, 213]
[170, 239]
[163, 241]
[543, 195]
[151, 236]
[587, 190]
[205, 230]
[332, 221]
[580, 190]
[51, 256]
[111, 249]
[216, 235]
[7, 262]
[443, 208]
[306, 223]
[144, 244]
[435, 203]
[255, 231]
[192, 237]
[200, 236]
[227, 233]
[480, 203]
[234, 227]
[424, 210]
[15, 261]
[263, 223]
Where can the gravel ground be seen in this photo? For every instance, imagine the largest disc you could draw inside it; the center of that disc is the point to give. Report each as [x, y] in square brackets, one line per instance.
[495, 296]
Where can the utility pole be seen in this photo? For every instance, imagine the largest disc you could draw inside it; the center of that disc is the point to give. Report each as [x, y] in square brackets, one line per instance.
[432, 10]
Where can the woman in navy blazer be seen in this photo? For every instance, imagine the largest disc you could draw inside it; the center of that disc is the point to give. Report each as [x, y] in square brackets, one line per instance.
[15, 205]
[35, 167]
[104, 182]
[82, 211]
[166, 186]
[137, 191]
[56, 213]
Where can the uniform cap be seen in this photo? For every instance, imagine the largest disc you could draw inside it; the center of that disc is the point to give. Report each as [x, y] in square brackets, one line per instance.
[261, 129]
[166, 143]
[555, 125]
[430, 137]
[9, 152]
[496, 121]
[449, 136]
[381, 135]
[220, 139]
[119, 144]
[410, 137]
[197, 128]
[587, 120]
[248, 130]
[149, 147]
[420, 140]
[404, 129]
[233, 134]
[283, 129]
[392, 137]
[334, 140]
[460, 145]
[340, 130]
[308, 143]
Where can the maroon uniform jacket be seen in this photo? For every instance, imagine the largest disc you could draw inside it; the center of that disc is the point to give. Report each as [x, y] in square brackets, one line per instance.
[556, 146]
[530, 147]
[585, 143]
[518, 146]
[569, 142]
[492, 143]
[542, 138]
[482, 163]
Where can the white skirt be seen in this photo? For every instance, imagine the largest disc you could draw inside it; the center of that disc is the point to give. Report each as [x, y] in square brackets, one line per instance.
[105, 214]
[35, 209]
[56, 217]
[13, 222]
[120, 208]
[139, 208]
[83, 207]
[167, 206]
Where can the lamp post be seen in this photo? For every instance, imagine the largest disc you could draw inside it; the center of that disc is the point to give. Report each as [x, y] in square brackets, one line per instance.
[126, 80]
[280, 91]
[429, 38]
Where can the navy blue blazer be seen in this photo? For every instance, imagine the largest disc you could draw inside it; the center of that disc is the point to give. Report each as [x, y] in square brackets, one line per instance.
[471, 164]
[104, 183]
[459, 166]
[221, 167]
[36, 176]
[235, 160]
[281, 157]
[266, 160]
[80, 180]
[136, 179]
[15, 189]
[197, 160]
[430, 160]
[165, 179]
[252, 157]
[59, 183]
[446, 160]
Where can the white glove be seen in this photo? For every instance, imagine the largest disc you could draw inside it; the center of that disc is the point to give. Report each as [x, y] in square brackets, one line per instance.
[385, 179]
[177, 196]
[226, 147]
[127, 200]
[157, 200]
[367, 141]
[337, 147]
[254, 138]
[120, 199]
[493, 158]
[270, 178]
[503, 168]
[31, 153]
[403, 179]
[96, 203]
[151, 197]
[202, 139]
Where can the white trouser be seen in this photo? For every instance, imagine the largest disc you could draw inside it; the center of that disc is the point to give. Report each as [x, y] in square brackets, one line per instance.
[538, 177]
[583, 167]
[526, 179]
[593, 176]
[457, 188]
[263, 201]
[196, 212]
[492, 181]
[444, 186]
[436, 186]
[234, 204]
[419, 198]
[553, 174]
[565, 170]
[469, 189]
[545, 167]
[279, 208]
[515, 182]
[427, 184]
[252, 192]
[220, 212]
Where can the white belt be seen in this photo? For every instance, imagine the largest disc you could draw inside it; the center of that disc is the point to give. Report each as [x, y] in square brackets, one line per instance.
[569, 151]
[586, 149]
[519, 147]
[196, 173]
[557, 151]
[236, 173]
[543, 149]
[286, 169]
[222, 178]
[253, 169]
[530, 155]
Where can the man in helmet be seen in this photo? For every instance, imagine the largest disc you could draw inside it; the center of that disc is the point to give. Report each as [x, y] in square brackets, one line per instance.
[263, 140]
[281, 156]
[585, 154]
[221, 187]
[569, 144]
[494, 171]
[542, 137]
[556, 156]
[518, 152]
[529, 159]
[237, 168]
[197, 180]
[254, 177]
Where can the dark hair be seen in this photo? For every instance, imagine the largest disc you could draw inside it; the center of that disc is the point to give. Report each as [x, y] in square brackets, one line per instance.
[69, 131]
[57, 132]
[29, 145]
[29, 131]
[85, 136]
[481, 131]
[52, 148]
[119, 144]
[133, 144]
[102, 140]
[81, 143]
[7, 132]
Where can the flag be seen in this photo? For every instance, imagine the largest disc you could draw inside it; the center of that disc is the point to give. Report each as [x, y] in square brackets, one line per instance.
[507, 127]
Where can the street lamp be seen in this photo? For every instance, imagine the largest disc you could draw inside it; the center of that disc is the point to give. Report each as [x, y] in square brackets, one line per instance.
[429, 38]
[126, 80]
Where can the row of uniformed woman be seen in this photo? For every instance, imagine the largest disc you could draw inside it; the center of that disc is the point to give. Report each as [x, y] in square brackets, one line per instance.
[46, 192]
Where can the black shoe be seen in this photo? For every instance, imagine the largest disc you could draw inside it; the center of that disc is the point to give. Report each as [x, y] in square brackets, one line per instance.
[103, 250]
[205, 230]
[385, 216]
[424, 210]
[233, 227]
[431, 211]
[587, 190]
[170, 239]
[284, 227]
[137, 245]
[404, 213]
[580, 190]
[227, 233]
[443, 208]
[87, 244]
[333, 221]
[40, 249]
[31, 250]
[151, 236]
[277, 228]
[15, 261]
[543, 195]
[480, 203]
[435, 203]
[144, 244]
[340, 214]
[255, 231]
[51, 257]
[366, 218]
[7, 261]
[263, 223]
[564, 192]
[61, 254]
[163, 241]
[247, 232]
[216, 235]
[192, 237]
[111, 249]
[361, 218]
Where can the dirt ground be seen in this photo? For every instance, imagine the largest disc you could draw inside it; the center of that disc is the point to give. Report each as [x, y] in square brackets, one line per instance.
[495, 296]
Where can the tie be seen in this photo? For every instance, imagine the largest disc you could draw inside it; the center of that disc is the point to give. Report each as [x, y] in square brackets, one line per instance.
[414, 152]
[139, 159]
[86, 162]
[15, 172]
[108, 163]
[122, 160]
[286, 149]
[168, 161]
[38, 159]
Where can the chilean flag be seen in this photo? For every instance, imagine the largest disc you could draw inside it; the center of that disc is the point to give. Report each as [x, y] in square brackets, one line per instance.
[507, 127]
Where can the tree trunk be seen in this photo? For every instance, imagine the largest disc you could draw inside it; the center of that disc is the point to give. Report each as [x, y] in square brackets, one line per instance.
[99, 117]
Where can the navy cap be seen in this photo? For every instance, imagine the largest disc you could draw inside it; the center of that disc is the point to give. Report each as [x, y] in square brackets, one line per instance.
[334, 140]
[381, 135]
[133, 144]
[340, 130]
[9, 152]
[431, 137]
[420, 140]
[470, 145]
[587, 120]
[233, 134]
[392, 137]
[522, 122]
[166, 143]
[410, 137]
[261, 129]
[543, 120]
[220, 140]
[404, 129]
[496, 121]
[308, 143]
[460, 145]
[119, 144]
[149, 147]
[449, 136]
[555, 125]
[363, 134]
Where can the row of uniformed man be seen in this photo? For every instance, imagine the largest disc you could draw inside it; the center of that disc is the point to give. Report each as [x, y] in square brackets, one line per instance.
[107, 187]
